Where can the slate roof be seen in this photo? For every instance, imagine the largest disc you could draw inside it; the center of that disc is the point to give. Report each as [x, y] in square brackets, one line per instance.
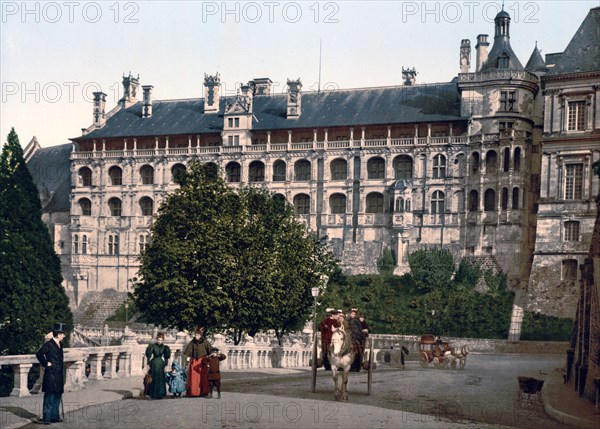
[352, 107]
[536, 62]
[583, 52]
[50, 168]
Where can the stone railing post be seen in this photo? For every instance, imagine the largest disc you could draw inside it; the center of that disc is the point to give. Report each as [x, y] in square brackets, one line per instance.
[181, 341]
[20, 379]
[251, 360]
[95, 361]
[74, 375]
[124, 364]
[111, 365]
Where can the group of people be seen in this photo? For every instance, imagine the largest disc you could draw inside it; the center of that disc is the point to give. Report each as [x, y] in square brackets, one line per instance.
[355, 323]
[201, 376]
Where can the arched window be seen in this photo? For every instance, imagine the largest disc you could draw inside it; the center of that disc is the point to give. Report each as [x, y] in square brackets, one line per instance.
[84, 244]
[337, 203]
[504, 203]
[302, 204]
[517, 160]
[177, 172]
[375, 202]
[491, 161]
[279, 198]
[86, 207]
[459, 198]
[437, 203]
[116, 175]
[473, 201]
[147, 206]
[85, 176]
[400, 204]
[506, 163]
[114, 204]
[147, 175]
[233, 171]
[256, 172]
[403, 167]
[475, 163]
[407, 205]
[515, 198]
[489, 200]
[279, 171]
[75, 244]
[302, 170]
[339, 169]
[144, 242]
[113, 244]
[439, 167]
[376, 168]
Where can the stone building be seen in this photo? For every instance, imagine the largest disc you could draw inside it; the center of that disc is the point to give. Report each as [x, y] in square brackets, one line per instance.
[454, 165]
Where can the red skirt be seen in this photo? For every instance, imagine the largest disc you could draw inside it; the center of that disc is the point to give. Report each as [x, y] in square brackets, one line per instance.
[197, 379]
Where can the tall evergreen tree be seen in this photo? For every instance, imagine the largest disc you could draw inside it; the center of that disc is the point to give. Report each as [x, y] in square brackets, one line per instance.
[32, 297]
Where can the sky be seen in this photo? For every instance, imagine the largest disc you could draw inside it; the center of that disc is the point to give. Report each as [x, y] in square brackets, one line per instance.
[53, 55]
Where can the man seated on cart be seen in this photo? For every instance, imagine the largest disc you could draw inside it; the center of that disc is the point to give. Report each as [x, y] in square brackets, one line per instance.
[326, 328]
[358, 339]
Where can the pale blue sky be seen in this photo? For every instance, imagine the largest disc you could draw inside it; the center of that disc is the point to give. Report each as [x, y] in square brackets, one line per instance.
[55, 54]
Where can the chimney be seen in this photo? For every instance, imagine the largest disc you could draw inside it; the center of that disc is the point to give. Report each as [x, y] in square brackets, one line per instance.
[211, 93]
[482, 51]
[147, 104]
[131, 85]
[99, 108]
[262, 86]
[247, 91]
[465, 55]
[294, 98]
[409, 76]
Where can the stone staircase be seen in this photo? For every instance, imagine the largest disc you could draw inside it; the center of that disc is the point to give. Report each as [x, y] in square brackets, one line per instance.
[96, 307]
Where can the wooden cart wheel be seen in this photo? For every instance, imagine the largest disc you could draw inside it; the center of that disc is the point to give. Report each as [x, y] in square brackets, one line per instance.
[370, 370]
[424, 360]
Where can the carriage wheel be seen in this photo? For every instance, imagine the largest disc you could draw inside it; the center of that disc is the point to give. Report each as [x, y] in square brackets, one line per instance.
[424, 360]
[370, 368]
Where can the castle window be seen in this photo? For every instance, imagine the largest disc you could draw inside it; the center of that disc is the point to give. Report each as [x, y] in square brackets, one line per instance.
[489, 200]
[114, 204]
[302, 204]
[85, 176]
[236, 140]
[576, 116]
[439, 167]
[475, 163]
[505, 126]
[506, 163]
[400, 204]
[113, 244]
[491, 161]
[339, 169]
[230, 140]
[84, 243]
[376, 168]
[256, 172]
[507, 101]
[571, 231]
[438, 201]
[403, 167]
[146, 206]
[75, 244]
[503, 61]
[504, 203]
[474, 201]
[337, 203]
[302, 170]
[177, 172]
[375, 202]
[144, 242]
[116, 175]
[279, 172]
[230, 122]
[86, 207]
[515, 198]
[517, 160]
[236, 122]
[233, 171]
[569, 269]
[147, 174]
[574, 182]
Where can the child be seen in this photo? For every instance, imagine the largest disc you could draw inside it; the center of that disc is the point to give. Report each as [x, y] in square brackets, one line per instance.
[214, 375]
[176, 380]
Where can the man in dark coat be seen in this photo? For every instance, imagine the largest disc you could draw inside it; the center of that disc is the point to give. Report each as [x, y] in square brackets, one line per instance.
[358, 338]
[51, 357]
[326, 327]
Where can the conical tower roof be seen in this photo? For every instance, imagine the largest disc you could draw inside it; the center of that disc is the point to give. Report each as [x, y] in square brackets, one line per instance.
[536, 62]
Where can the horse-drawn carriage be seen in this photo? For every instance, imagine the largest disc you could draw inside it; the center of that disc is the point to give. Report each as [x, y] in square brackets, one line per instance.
[439, 353]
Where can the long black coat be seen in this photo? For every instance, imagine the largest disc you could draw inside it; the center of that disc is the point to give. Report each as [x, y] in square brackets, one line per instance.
[54, 381]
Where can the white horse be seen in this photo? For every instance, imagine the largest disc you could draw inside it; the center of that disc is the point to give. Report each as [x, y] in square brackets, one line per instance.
[456, 355]
[341, 356]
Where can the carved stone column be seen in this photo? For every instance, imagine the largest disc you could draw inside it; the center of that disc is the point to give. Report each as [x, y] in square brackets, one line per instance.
[21, 371]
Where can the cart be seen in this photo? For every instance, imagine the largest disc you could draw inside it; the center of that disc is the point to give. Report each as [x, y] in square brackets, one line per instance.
[530, 390]
[432, 350]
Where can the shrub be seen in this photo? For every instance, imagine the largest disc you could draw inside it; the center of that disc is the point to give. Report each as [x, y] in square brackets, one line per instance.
[540, 327]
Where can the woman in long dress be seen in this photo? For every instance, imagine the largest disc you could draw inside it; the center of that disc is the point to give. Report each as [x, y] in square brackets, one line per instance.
[158, 355]
[197, 376]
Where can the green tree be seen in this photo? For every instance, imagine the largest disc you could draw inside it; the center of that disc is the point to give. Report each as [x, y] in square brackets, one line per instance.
[431, 269]
[32, 297]
[386, 263]
[230, 260]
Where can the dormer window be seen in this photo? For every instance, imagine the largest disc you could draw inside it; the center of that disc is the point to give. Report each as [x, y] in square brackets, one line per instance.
[236, 122]
[230, 122]
[503, 61]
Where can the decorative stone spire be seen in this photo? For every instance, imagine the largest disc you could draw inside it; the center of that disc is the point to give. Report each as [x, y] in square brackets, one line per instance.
[465, 55]
[294, 98]
[99, 108]
[212, 85]
[409, 76]
[501, 56]
[131, 85]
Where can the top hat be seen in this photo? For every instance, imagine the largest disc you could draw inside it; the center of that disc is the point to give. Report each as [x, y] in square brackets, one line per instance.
[200, 330]
[333, 311]
[328, 310]
[59, 327]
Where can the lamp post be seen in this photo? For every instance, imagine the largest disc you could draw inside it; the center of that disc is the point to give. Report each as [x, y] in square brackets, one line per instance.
[315, 293]
[126, 312]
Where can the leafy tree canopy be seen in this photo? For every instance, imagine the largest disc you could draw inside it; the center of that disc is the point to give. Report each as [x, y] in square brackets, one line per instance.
[431, 270]
[32, 297]
[235, 260]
